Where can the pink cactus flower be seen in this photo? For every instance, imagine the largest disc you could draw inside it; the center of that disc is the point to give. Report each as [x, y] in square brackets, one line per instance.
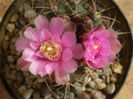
[50, 48]
[101, 46]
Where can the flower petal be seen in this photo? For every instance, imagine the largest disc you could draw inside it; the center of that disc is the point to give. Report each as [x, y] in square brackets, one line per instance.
[32, 34]
[50, 67]
[57, 26]
[24, 65]
[70, 27]
[34, 45]
[45, 35]
[69, 39]
[29, 55]
[69, 66]
[38, 67]
[61, 76]
[77, 51]
[67, 54]
[41, 22]
[22, 43]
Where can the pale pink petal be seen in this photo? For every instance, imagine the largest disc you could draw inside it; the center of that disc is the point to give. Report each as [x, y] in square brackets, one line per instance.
[38, 54]
[77, 51]
[57, 26]
[115, 45]
[56, 38]
[69, 39]
[29, 55]
[34, 46]
[38, 67]
[67, 54]
[45, 35]
[50, 67]
[69, 66]
[41, 22]
[22, 43]
[61, 77]
[70, 27]
[32, 34]
[24, 65]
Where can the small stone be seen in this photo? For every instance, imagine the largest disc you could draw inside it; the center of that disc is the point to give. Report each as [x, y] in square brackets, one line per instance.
[97, 95]
[10, 59]
[21, 9]
[36, 95]
[110, 88]
[116, 67]
[28, 81]
[70, 95]
[14, 18]
[100, 84]
[44, 91]
[10, 27]
[108, 79]
[48, 96]
[22, 21]
[92, 84]
[27, 93]
[83, 95]
[30, 14]
[95, 75]
[21, 89]
[78, 87]
[6, 38]
[19, 76]
[88, 89]
[113, 79]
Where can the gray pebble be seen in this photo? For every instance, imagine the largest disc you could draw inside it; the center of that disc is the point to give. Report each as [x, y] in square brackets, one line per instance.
[92, 84]
[78, 87]
[110, 88]
[71, 95]
[36, 95]
[14, 18]
[27, 94]
[10, 59]
[30, 14]
[100, 84]
[10, 27]
[116, 67]
[21, 89]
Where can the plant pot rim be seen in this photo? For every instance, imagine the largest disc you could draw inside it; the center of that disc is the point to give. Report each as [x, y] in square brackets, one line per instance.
[125, 76]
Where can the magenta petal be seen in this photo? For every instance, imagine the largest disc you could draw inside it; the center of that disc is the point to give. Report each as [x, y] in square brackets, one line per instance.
[57, 26]
[77, 51]
[29, 55]
[34, 45]
[21, 44]
[41, 22]
[69, 66]
[32, 34]
[69, 39]
[38, 67]
[67, 54]
[45, 35]
[61, 77]
[50, 67]
[38, 54]
[23, 64]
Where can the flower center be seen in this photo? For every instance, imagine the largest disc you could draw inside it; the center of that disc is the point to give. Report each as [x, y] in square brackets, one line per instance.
[50, 49]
